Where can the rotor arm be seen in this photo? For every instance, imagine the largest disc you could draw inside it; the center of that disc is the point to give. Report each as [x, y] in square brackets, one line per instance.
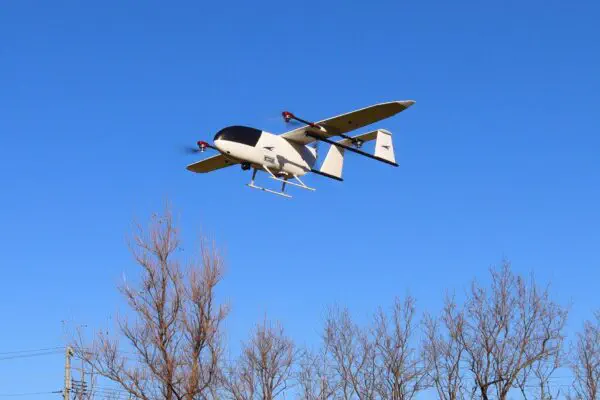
[349, 148]
[288, 116]
[355, 142]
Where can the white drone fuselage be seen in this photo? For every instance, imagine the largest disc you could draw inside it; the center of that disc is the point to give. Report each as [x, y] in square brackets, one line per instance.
[277, 154]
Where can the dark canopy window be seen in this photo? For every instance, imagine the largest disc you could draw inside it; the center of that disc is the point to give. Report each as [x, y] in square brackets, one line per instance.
[239, 134]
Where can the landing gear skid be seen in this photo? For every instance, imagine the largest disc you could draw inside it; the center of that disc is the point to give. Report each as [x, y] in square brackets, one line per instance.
[283, 181]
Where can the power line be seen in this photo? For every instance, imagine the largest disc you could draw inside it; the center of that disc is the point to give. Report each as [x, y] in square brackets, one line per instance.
[16, 356]
[27, 394]
[31, 351]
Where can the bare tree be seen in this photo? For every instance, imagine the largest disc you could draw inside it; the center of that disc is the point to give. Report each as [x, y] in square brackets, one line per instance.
[535, 381]
[239, 382]
[265, 368]
[401, 367]
[316, 379]
[173, 332]
[507, 329]
[353, 356]
[444, 351]
[586, 361]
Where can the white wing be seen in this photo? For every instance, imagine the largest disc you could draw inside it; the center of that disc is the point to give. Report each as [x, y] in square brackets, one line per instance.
[210, 164]
[350, 121]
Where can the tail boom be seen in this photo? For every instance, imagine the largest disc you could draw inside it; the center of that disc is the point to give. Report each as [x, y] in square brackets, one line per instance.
[334, 161]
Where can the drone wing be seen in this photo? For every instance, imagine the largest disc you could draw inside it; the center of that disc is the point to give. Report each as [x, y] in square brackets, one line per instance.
[348, 122]
[210, 164]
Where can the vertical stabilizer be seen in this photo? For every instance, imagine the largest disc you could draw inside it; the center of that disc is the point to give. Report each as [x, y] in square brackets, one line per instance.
[334, 162]
[383, 146]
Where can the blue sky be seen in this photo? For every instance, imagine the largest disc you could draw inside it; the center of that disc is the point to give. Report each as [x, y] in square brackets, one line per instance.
[498, 158]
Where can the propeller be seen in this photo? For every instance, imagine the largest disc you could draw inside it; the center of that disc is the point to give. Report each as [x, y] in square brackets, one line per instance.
[190, 150]
[288, 117]
[202, 146]
[293, 122]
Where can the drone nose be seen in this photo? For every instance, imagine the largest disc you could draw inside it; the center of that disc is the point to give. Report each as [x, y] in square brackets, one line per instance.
[221, 145]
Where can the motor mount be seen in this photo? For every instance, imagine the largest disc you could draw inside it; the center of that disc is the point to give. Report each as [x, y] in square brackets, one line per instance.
[202, 145]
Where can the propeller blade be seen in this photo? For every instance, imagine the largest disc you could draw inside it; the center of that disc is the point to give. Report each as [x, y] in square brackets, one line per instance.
[202, 147]
[293, 122]
[190, 150]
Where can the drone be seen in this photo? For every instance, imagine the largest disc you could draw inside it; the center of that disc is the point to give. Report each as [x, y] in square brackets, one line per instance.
[287, 157]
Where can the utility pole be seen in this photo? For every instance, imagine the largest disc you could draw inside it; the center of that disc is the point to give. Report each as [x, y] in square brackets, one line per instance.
[80, 388]
[66, 391]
